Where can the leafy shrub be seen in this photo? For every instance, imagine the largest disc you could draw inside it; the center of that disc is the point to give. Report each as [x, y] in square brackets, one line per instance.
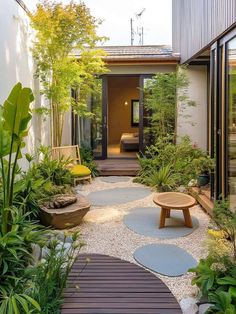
[86, 155]
[173, 159]
[161, 99]
[216, 274]
[25, 288]
[163, 179]
[17, 234]
[56, 171]
[48, 279]
[42, 180]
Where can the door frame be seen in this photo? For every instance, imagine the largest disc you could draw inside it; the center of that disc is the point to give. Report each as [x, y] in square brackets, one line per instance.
[104, 116]
[104, 78]
[222, 113]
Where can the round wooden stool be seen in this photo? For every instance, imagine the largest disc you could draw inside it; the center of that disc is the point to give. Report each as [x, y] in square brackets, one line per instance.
[174, 200]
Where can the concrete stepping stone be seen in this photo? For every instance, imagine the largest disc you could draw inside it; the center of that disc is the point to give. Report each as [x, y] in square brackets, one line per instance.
[118, 196]
[165, 259]
[145, 221]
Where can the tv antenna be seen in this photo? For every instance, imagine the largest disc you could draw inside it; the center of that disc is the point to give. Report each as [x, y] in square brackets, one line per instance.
[140, 31]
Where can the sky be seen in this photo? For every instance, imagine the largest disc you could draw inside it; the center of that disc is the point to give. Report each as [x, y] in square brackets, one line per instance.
[116, 15]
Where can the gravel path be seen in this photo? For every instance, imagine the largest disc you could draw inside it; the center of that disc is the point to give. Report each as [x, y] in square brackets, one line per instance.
[115, 239]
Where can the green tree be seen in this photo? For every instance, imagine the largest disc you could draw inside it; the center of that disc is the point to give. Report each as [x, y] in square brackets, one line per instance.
[62, 30]
[162, 94]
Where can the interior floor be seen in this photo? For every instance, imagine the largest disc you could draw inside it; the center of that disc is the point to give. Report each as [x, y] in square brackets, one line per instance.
[113, 151]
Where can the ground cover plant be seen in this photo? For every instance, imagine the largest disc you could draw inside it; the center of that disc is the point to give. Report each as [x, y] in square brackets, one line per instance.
[215, 275]
[26, 285]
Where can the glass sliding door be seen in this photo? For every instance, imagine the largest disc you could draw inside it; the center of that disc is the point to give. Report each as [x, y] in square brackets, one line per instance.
[99, 120]
[231, 121]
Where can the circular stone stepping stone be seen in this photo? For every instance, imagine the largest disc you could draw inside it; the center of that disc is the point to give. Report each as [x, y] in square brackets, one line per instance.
[145, 221]
[114, 179]
[117, 196]
[165, 259]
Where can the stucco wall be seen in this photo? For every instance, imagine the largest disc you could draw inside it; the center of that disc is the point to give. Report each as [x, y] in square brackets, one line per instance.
[121, 90]
[17, 65]
[193, 120]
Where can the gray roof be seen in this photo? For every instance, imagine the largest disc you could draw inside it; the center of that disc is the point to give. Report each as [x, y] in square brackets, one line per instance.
[138, 53]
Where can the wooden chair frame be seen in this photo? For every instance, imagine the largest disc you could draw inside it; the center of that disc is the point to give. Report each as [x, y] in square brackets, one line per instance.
[57, 153]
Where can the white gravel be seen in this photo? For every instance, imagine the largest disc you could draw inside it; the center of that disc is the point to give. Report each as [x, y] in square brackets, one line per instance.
[115, 239]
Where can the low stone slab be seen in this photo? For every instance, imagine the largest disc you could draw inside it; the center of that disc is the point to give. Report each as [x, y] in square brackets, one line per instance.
[145, 221]
[165, 259]
[118, 196]
[102, 215]
[114, 179]
[67, 217]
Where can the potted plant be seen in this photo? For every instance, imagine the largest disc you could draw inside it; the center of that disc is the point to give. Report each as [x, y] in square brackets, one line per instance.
[203, 167]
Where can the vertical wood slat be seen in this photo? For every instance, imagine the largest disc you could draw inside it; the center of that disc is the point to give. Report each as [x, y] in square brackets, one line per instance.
[195, 23]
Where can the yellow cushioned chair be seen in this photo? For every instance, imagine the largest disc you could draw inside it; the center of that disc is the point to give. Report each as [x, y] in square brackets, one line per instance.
[80, 172]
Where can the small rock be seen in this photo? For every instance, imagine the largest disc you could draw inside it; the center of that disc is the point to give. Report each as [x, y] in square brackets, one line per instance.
[61, 237]
[36, 252]
[193, 182]
[181, 189]
[189, 306]
[204, 307]
[66, 247]
[45, 252]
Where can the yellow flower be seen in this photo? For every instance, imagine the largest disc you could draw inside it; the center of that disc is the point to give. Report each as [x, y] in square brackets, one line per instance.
[216, 233]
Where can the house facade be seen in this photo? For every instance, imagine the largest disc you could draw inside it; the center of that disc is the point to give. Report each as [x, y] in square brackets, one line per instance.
[204, 34]
[117, 129]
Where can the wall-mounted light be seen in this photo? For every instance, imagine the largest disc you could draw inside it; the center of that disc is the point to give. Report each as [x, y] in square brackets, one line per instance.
[126, 103]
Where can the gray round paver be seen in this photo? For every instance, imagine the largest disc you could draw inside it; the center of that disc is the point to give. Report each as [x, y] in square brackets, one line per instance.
[165, 259]
[118, 196]
[145, 221]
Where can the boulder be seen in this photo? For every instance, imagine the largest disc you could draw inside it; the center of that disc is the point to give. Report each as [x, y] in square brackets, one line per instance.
[66, 217]
[189, 305]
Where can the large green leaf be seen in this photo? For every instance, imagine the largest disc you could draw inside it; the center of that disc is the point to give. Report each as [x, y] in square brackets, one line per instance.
[10, 107]
[227, 281]
[5, 138]
[16, 110]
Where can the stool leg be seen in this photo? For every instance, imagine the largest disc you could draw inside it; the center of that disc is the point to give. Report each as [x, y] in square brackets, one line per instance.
[167, 213]
[162, 218]
[187, 218]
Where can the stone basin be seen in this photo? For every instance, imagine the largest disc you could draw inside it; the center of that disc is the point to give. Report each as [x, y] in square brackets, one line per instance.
[67, 217]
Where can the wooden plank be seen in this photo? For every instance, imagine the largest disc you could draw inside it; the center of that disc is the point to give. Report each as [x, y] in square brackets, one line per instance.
[121, 311]
[110, 285]
[119, 167]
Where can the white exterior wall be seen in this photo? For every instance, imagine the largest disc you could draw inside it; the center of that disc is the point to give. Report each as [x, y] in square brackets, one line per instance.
[195, 126]
[17, 65]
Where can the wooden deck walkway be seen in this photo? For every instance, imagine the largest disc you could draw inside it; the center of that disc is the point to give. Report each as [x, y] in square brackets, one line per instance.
[108, 285]
[118, 167]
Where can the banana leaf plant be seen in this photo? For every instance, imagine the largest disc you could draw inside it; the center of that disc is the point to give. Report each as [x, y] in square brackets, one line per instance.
[14, 119]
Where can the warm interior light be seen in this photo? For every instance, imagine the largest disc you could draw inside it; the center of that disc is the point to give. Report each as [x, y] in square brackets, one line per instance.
[126, 103]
